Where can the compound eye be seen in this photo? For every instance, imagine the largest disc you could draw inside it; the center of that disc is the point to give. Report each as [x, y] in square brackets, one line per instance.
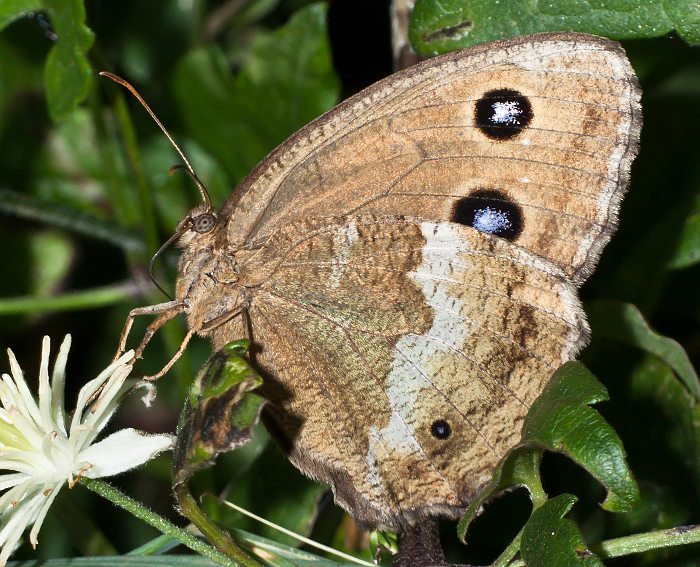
[203, 223]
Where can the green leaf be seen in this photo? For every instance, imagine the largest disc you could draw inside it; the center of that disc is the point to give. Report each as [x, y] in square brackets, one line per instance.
[561, 420]
[383, 542]
[520, 467]
[439, 26]
[286, 81]
[220, 411]
[550, 540]
[686, 17]
[687, 252]
[11, 10]
[625, 323]
[676, 413]
[68, 73]
[52, 255]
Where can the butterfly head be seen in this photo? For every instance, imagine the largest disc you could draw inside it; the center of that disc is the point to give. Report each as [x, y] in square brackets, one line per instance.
[202, 220]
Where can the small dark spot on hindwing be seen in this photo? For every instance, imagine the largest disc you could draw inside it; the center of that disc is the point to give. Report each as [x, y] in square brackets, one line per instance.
[440, 429]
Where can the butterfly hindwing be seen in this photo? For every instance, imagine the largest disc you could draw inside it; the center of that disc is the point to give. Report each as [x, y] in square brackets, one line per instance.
[404, 354]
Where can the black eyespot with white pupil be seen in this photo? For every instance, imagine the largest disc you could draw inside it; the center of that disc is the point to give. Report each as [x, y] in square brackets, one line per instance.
[203, 223]
[440, 429]
[501, 114]
[490, 211]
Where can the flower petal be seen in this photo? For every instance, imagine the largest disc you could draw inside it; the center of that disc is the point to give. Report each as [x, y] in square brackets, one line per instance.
[109, 399]
[16, 522]
[13, 479]
[58, 382]
[117, 371]
[27, 435]
[10, 499]
[26, 462]
[20, 386]
[45, 397]
[41, 515]
[16, 393]
[122, 451]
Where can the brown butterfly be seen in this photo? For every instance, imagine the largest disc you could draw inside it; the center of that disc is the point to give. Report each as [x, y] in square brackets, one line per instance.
[407, 265]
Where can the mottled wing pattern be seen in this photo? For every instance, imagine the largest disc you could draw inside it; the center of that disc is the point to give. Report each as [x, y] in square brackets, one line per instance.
[403, 355]
[529, 138]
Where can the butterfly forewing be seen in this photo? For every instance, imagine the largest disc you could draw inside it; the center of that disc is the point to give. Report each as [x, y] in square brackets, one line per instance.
[543, 127]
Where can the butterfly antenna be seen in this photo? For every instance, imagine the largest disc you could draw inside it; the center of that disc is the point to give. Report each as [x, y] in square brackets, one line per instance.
[188, 167]
[160, 250]
[193, 175]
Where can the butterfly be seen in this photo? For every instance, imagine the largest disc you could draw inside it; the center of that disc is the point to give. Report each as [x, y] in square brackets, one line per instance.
[406, 266]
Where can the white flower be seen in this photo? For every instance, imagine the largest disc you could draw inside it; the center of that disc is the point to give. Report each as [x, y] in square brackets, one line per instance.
[38, 454]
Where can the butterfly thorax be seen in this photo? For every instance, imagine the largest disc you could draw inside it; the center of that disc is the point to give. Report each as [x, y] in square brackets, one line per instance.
[209, 281]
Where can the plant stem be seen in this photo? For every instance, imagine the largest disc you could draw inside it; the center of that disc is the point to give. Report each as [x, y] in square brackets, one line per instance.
[505, 558]
[681, 535]
[306, 540]
[161, 524]
[218, 538]
[157, 546]
[87, 299]
[60, 216]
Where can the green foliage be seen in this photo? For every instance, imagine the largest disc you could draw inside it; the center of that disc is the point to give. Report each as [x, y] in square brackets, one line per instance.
[446, 25]
[85, 197]
[67, 73]
[550, 540]
[688, 253]
[624, 322]
[123, 561]
[521, 467]
[68, 218]
[561, 420]
[220, 411]
[289, 69]
[14, 9]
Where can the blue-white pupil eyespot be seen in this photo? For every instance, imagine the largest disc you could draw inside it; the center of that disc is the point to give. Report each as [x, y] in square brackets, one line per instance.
[491, 220]
[506, 112]
[490, 211]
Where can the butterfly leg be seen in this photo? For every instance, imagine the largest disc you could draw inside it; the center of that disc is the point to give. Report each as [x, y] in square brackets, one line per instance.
[221, 319]
[163, 371]
[167, 310]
